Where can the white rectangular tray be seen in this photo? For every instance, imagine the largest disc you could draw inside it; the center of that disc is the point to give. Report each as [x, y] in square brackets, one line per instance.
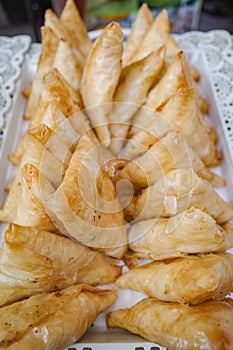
[212, 54]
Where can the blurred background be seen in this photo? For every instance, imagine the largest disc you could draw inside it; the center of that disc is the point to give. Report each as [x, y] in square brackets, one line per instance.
[26, 16]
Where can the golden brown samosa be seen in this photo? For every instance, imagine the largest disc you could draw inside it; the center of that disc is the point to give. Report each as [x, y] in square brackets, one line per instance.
[175, 192]
[168, 152]
[182, 110]
[85, 205]
[67, 100]
[25, 202]
[178, 110]
[155, 37]
[179, 327]
[30, 266]
[144, 137]
[190, 232]
[55, 120]
[49, 43]
[176, 77]
[188, 280]
[100, 77]
[76, 28]
[172, 49]
[139, 28]
[31, 210]
[52, 320]
[49, 154]
[56, 88]
[67, 64]
[131, 91]
[52, 21]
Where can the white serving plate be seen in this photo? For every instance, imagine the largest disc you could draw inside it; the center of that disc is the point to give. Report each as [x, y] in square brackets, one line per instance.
[212, 54]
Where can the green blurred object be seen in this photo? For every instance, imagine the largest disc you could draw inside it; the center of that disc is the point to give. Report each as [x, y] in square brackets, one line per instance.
[99, 13]
[162, 3]
[183, 15]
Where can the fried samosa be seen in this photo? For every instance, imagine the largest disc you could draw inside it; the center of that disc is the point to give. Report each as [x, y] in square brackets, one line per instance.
[49, 43]
[179, 327]
[170, 151]
[85, 205]
[190, 232]
[67, 64]
[133, 86]
[155, 37]
[68, 128]
[50, 156]
[176, 77]
[55, 120]
[175, 192]
[52, 21]
[31, 210]
[176, 90]
[56, 90]
[25, 202]
[182, 110]
[52, 321]
[172, 49]
[103, 65]
[144, 137]
[188, 280]
[139, 28]
[76, 28]
[33, 261]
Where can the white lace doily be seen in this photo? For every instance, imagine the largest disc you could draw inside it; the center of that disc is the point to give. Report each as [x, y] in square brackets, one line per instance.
[217, 49]
[12, 54]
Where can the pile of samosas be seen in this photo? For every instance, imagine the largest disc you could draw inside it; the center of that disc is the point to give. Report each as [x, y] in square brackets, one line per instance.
[115, 168]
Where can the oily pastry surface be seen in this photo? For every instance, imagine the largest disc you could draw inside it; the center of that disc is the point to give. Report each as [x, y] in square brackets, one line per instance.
[33, 261]
[207, 325]
[52, 320]
[188, 280]
[189, 232]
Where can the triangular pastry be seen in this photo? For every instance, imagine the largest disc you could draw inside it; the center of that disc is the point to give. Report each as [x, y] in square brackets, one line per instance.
[172, 49]
[208, 325]
[178, 110]
[48, 153]
[176, 77]
[34, 191]
[76, 28]
[85, 205]
[189, 232]
[144, 137]
[135, 81]
[67, 64]
[139, 28]
[52, 320]
[211, 277]
[55, 120]
[49, 42]
[155, 37]
[55, 90]
[30, 266]
[52, 21]
[182, 110]
[170, 151]
[103, 65]
[175, 192]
